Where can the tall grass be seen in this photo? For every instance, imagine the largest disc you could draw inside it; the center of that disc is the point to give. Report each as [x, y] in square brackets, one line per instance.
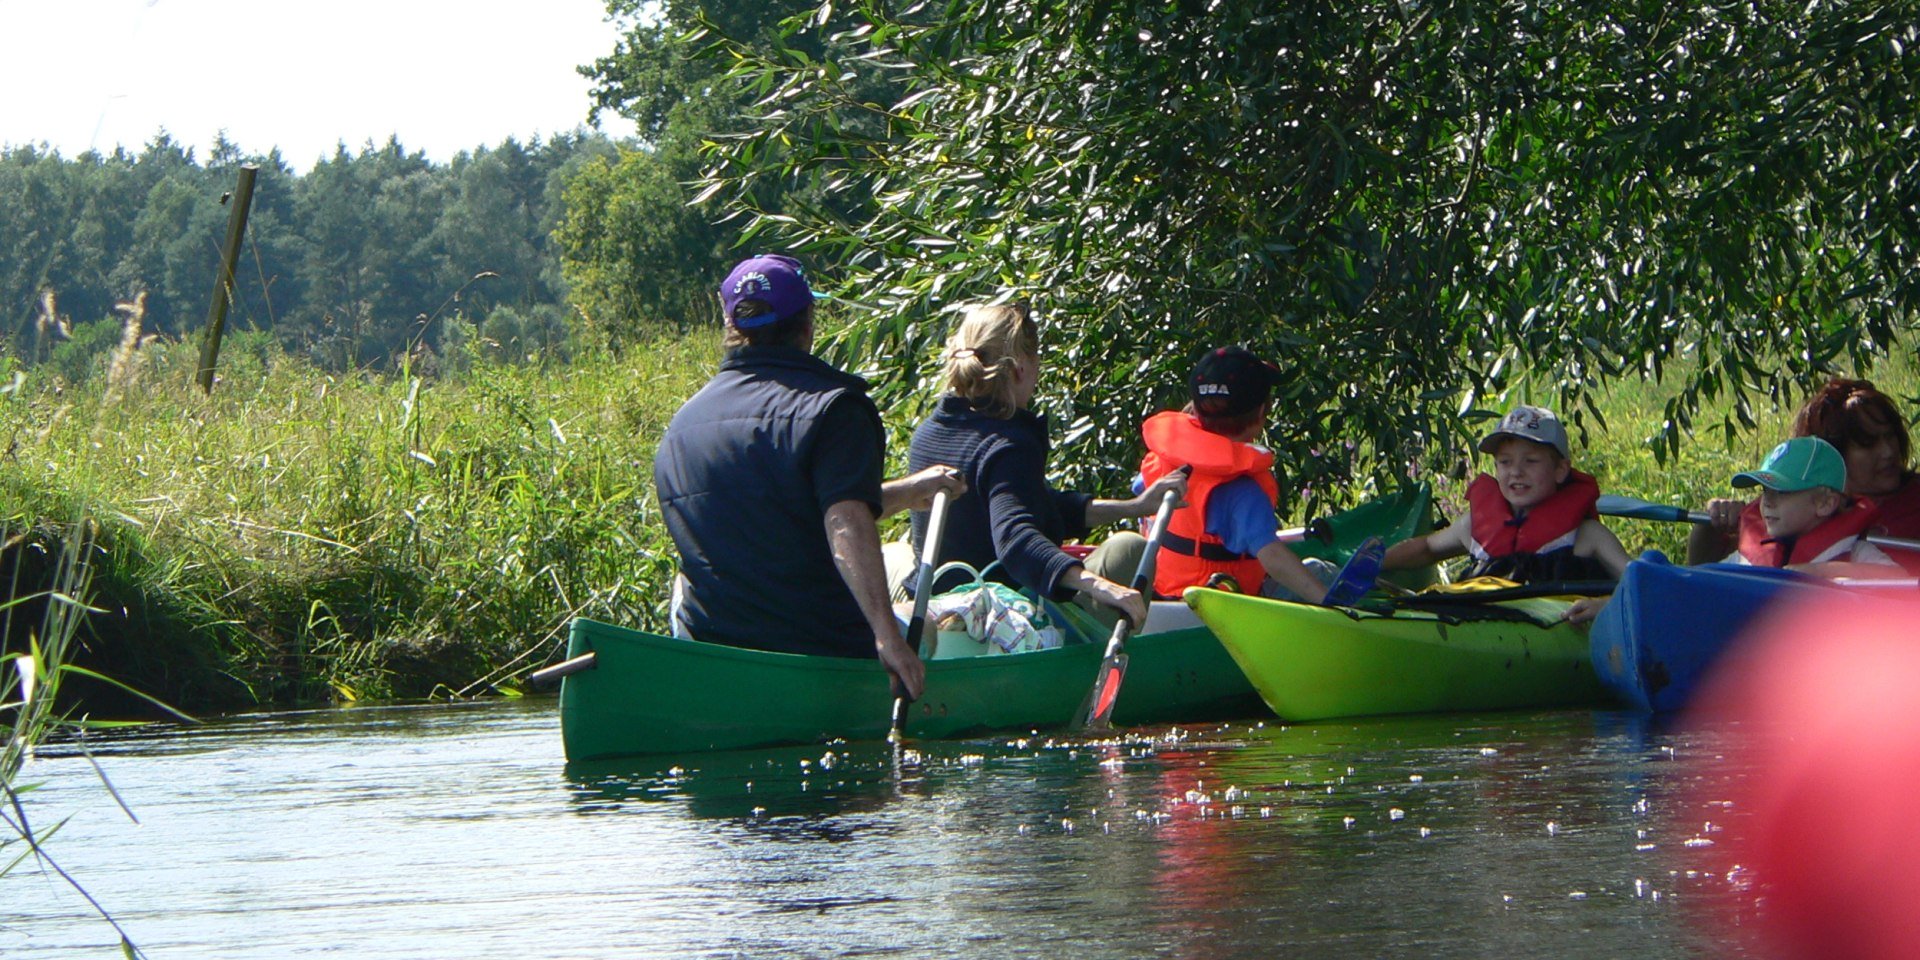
[300, 536]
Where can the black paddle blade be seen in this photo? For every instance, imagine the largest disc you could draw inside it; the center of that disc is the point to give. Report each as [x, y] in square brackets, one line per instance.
[1097, 714]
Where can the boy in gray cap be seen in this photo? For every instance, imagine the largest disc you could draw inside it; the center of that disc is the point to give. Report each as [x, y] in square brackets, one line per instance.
[1532, 519]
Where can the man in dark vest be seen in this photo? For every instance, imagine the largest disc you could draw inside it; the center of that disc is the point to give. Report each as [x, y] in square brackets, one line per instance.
[770, 482]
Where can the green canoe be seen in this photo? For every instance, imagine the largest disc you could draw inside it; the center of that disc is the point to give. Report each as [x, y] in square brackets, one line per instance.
[652, 694]
[647, 694]
[1316, 663]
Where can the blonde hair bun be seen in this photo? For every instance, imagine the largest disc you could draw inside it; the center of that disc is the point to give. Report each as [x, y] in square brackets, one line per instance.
[984, 352]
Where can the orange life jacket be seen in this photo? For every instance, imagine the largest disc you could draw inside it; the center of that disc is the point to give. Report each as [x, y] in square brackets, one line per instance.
[1842, 528]
[1549, 525]
[1188, 554]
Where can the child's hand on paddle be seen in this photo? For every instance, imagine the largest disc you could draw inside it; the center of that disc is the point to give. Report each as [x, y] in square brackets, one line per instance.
[1585, 609]
[1724, 515]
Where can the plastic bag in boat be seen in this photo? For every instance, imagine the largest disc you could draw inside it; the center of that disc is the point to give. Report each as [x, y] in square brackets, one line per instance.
[984, 617]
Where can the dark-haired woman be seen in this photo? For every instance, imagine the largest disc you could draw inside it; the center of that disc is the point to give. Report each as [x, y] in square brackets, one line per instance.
[1871, 435]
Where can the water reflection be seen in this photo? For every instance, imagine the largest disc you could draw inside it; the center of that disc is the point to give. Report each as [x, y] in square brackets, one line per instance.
[399, 832]
[776, 784]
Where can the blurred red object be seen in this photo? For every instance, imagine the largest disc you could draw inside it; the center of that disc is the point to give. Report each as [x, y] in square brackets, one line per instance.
[1824, 776]
[1079, 551]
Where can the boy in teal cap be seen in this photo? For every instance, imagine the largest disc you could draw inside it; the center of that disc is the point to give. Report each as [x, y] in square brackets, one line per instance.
[1802, 517]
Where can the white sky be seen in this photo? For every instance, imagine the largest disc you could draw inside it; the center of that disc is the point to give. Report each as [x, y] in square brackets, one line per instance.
[446, 75]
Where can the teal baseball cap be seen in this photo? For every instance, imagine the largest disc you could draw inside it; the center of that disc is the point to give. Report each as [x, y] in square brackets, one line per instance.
[1802, 463]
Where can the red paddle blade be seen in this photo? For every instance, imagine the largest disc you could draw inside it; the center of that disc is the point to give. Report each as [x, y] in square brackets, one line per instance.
[1106, 690]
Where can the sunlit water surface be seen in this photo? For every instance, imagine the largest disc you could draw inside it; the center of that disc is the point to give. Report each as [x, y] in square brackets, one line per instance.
[438, 831]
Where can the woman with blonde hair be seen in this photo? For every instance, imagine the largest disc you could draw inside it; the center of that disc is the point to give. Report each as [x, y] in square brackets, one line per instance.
[982, 425]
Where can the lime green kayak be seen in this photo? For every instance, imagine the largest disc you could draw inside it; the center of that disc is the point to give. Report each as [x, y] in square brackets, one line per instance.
[648, 694]
[1315, 663]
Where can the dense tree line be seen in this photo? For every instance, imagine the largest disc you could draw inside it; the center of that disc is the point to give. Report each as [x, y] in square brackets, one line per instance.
[1423, 209]
[367, 256]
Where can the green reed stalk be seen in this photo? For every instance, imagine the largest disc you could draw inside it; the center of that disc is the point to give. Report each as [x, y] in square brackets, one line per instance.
[30, 682]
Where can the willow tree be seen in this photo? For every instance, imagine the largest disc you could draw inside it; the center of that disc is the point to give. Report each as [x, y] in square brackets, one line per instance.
[1418, 207]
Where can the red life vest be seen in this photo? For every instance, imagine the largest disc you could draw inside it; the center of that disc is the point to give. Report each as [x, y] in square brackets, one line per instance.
[1547, 526]
[1900, 517]
[1841, 529]
[1188, 554]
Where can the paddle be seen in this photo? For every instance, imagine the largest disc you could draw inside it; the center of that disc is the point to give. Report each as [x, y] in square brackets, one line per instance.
[1096, 712]
[1614, 505]
[922, 592]
[565, 668]
[1548, 588]
[1357, 575]
[1898, 543]
[1316, 529]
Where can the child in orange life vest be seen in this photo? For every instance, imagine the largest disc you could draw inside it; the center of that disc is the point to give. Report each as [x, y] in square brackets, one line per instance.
[1802, 519]
[1228, 525]
[1532, 519]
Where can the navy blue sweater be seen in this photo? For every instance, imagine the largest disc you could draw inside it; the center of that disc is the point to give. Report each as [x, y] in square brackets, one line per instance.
[1009, 512]
[746, 473]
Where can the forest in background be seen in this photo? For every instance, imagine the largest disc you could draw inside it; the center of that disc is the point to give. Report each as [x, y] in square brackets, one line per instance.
[368, 257]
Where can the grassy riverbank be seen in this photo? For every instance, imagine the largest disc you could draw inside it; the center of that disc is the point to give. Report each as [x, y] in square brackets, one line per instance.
[302, 537]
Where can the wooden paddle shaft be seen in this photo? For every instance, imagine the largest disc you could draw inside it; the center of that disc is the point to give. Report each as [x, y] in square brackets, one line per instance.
[565, 668]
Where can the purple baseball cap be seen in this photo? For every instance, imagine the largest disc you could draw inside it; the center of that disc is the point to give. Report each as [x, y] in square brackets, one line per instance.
[772, 279]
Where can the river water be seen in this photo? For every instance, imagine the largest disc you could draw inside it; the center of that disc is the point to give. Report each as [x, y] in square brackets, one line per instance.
[458, 831]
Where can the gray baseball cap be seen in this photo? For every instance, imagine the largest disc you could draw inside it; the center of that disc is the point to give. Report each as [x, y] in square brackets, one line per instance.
[1530, 423]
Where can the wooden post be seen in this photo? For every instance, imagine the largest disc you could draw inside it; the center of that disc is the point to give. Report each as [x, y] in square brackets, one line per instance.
[223, 284]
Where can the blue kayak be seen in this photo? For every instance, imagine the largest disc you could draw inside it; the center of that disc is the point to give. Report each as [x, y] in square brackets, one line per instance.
[1667, 626]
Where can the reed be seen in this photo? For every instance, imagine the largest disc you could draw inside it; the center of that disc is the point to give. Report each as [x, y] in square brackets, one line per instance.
[300, 536]
[125, 359]
[30, 682]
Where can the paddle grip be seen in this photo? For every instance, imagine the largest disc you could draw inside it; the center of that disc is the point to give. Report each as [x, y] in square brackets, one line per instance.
[1143, 577]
